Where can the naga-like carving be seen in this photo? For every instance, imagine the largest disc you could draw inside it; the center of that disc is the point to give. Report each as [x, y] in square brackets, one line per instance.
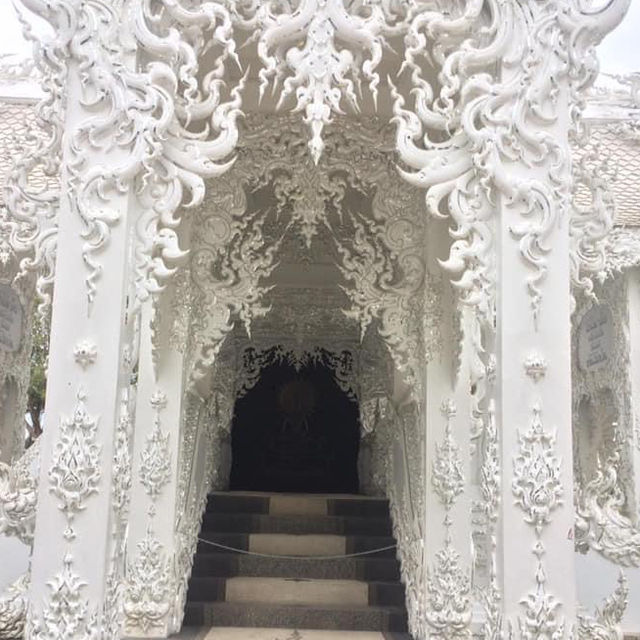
[67, 614]
[600, 521]
[605, 624]
[13, 609]
[19, 495]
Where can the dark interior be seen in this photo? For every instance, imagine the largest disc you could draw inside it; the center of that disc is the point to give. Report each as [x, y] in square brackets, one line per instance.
[295, 431]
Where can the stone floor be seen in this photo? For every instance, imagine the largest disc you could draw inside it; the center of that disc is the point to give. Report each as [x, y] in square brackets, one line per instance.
[235, 633]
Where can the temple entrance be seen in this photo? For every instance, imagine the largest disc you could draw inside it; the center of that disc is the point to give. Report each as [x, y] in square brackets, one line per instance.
[295, 431]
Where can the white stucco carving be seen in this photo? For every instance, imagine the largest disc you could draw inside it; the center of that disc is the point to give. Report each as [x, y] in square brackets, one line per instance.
[478, 104]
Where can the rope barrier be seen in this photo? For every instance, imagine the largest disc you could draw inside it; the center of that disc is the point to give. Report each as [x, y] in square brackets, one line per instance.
[246, 552]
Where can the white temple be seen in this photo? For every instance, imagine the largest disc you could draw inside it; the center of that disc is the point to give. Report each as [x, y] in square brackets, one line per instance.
[424, 217]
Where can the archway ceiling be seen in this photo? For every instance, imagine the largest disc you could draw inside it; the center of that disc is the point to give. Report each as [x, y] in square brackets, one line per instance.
[277, 224]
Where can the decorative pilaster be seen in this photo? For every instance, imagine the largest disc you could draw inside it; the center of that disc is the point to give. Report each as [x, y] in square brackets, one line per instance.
[447, 521]
[151, 582]
[73, 542]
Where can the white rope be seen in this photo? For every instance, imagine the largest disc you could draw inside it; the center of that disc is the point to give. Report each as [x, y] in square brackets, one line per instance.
[278, 557]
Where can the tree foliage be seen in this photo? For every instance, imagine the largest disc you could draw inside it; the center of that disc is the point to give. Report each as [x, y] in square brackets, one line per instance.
[38, 374]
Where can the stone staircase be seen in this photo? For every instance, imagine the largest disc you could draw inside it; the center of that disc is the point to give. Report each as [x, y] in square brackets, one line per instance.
[343, 597]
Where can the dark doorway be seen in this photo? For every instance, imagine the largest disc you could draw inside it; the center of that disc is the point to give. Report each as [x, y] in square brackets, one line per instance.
[295, 431]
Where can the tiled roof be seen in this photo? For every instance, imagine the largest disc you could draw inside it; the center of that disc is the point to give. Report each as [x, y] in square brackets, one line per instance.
[619, 143]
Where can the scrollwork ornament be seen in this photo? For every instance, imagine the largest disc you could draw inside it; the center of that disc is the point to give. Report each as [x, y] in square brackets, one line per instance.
[75, 471]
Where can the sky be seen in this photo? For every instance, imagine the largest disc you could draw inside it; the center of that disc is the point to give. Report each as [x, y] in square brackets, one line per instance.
[619, 52]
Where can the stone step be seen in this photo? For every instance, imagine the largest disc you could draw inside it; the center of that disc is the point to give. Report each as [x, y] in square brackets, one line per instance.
[244, 633]
[259, 614]
[285, 591]
[295, 524]
[282, 544]
[292, 504]
[374, 568]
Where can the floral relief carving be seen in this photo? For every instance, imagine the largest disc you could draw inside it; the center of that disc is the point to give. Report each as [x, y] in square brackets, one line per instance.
[538, 491]
[75, 471]
[320, 52]
[122, 463]
[449, 602]
[155, 459]
[536, 484]
[66, 613]
[446, 474]
[149, 587]
[541, 617]
[449, 610]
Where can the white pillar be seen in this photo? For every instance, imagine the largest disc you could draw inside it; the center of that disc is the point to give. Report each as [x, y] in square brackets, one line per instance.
[71, 555]
[533, 393]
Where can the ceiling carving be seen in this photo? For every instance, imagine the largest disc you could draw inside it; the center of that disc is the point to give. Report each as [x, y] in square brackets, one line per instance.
[277, 225]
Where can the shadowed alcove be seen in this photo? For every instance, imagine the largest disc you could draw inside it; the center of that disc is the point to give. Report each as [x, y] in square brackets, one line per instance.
[295, 431]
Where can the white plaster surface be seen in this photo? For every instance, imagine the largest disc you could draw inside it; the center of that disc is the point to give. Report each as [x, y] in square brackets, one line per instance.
[597, 578]
[14, 560]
